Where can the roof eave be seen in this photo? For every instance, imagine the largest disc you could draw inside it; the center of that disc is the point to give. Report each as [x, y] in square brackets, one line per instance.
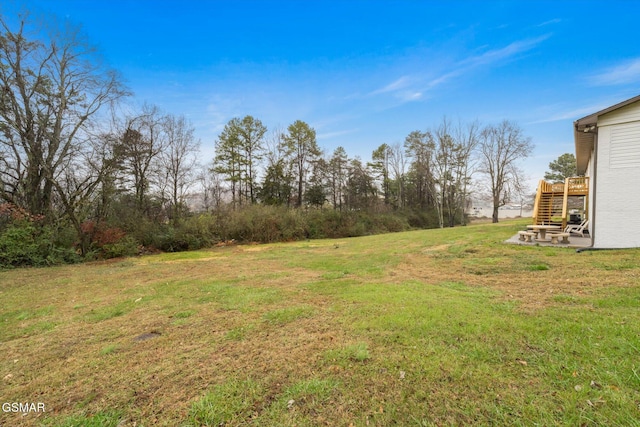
[584, 143]
[592, 119]
[585, 131]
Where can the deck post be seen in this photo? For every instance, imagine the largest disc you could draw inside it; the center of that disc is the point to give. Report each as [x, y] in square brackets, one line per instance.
[565, 202]
[536, 204]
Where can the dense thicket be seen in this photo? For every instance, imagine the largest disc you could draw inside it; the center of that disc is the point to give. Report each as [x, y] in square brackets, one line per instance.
[80, 178]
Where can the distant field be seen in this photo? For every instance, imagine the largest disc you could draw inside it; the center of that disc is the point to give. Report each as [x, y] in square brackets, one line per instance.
[437, 327]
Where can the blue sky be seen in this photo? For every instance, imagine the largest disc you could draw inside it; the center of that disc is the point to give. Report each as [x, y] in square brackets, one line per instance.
[363, 73]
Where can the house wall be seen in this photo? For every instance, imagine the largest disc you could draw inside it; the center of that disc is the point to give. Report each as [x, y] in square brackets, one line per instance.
[626, 114]
[589, 201]
[617, 208]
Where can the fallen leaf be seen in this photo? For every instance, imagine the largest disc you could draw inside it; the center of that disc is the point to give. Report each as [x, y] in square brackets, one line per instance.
[578, 387]
[522, 362]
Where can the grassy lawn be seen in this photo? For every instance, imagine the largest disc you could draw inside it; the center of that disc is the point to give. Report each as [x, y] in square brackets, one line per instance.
[437, 327]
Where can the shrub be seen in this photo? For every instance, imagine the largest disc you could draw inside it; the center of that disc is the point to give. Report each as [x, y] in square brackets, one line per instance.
[393, 223]
[146, 232]
[19, 246]
[26, 243]
[264, 224]
[197, 232]
[294, 225]
[422, 219]
[126, 246]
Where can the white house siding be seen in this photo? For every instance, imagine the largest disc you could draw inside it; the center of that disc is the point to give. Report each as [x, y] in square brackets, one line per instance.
[590, 173]
[626, 114]
[617, 200]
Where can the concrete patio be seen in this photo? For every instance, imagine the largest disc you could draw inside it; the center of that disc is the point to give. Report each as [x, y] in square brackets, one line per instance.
[575, 242]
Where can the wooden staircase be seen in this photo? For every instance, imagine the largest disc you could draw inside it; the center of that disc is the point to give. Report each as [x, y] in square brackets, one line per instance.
[550, 205]
[551, 202]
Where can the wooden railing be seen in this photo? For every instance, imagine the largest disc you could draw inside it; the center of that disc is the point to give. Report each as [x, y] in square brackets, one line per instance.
[574, 186]
[578, 185]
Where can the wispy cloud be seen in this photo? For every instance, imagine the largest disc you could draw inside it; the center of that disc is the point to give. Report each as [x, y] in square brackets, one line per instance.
[394, 86]
[410, 88]
[404, 89]
[555, 113]
[624, 73]
[550, 22]
[496, 55]
[329, 135]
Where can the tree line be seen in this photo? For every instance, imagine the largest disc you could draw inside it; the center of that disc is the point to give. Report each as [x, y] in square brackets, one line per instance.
[431, 170]
[80, 170]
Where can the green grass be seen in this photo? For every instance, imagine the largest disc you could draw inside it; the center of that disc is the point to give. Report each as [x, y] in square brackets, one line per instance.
[227, 403]
[184, 314]
[109, 312]
[101, 419]
[239, 333]
[111, 348]
[358, 352]
[424, 328]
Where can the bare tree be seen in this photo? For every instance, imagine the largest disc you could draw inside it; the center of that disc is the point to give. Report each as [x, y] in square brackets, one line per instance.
[212, 188]
[275, 147]
[501, 147]
[419, 147]
[338, 172]
[443, 161]
[398, 163]
[380, 165]
[177, 161]
[277, 185]
[76, 186]
[52, 91]
[466, 137]
[141, 142]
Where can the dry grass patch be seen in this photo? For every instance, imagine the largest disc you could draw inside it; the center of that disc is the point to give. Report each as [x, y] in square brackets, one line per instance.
[93, 358]
[427, 328]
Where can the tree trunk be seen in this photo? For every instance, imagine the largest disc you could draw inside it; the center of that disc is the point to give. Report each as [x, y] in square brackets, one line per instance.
[495, 213]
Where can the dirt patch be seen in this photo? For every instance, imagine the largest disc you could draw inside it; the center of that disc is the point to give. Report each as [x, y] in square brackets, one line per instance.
[147, 336]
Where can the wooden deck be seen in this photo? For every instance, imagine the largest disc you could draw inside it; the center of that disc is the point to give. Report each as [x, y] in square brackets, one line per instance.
[551, 204]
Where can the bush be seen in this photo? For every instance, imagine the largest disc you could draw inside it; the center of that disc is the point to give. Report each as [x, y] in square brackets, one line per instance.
[423, 219]
[126, 246]
[19, 246]
[197, 232]
[26, 243]
[265, 224]
[393, 223]
[146, 232]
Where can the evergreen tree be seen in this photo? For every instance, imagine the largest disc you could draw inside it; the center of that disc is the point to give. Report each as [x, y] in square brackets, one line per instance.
[561, 168]
[302, 148]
